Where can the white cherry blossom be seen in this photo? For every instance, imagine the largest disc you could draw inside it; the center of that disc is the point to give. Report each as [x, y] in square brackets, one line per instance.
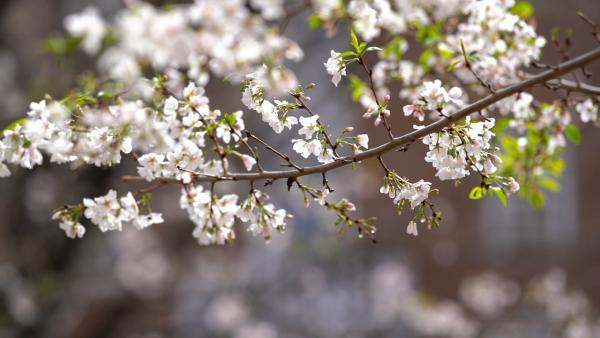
[310, 125]
[588, 111]
[88, 25]
[412, 229]
[249, 161]
[335, 67]
[306, 148]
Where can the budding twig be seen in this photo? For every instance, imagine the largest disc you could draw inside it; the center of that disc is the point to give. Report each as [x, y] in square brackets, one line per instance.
[275, 151]
[369, 72]
[595, 27]
[469, 66]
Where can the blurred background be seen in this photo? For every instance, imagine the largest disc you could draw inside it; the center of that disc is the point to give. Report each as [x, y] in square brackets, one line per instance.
[488, 271]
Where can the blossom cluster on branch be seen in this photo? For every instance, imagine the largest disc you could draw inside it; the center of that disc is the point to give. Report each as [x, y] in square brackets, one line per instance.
[149, 103]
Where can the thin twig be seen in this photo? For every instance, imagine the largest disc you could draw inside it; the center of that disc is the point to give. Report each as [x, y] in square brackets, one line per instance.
[576, 87]
[252, 150]
[275, 151]
[369, 72]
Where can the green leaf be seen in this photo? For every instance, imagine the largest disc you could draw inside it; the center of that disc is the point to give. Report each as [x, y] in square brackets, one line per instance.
[550, 184]
[537, 200]
[361, 48]
[510, 144]
[501, 124]
[523, 9]
[315, 22]
[354, 40]
[146, 199]
[61, 46]
[424, 59]
[555, 33]
[373, 49]
[14, 124]
[429, 34]
[573, 133]
[501, 196]
[109, 39]
[555, 166]
[347, 54]
[230, 119]
[395, 49]
[477, 193]
[445, 52]
[357, 86]
[453, 65]
[462, 48]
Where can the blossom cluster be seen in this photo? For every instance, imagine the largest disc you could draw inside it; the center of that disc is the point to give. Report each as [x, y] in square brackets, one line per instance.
[214, 216]
[399, 189]
[277, 116]
[434, 98]
[186, 41]
[588, 110]
[107, 212]
[50, 129]
[262, 218]
[414, 194]
[552, 118]
[253, 97]
[456, 151]
[370, 17]
[502, 42]
[99, 135]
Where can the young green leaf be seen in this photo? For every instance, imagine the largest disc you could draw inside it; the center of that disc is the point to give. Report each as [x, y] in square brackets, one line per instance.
[501, 196]
[354, 40]
[315, 22]
[550, 184]
[573, 134]
[523, 9]
[61, 46]
[453, 65]
[373, 49]
[477, 193]
[537, 200]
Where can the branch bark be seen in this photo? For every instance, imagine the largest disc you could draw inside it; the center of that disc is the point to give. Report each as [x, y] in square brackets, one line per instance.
[576, 87]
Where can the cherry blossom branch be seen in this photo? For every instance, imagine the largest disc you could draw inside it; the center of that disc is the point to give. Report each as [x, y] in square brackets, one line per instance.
[408, 138]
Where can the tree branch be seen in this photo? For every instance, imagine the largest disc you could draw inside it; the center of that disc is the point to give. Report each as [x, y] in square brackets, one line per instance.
[397, 142]
[574, 86]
